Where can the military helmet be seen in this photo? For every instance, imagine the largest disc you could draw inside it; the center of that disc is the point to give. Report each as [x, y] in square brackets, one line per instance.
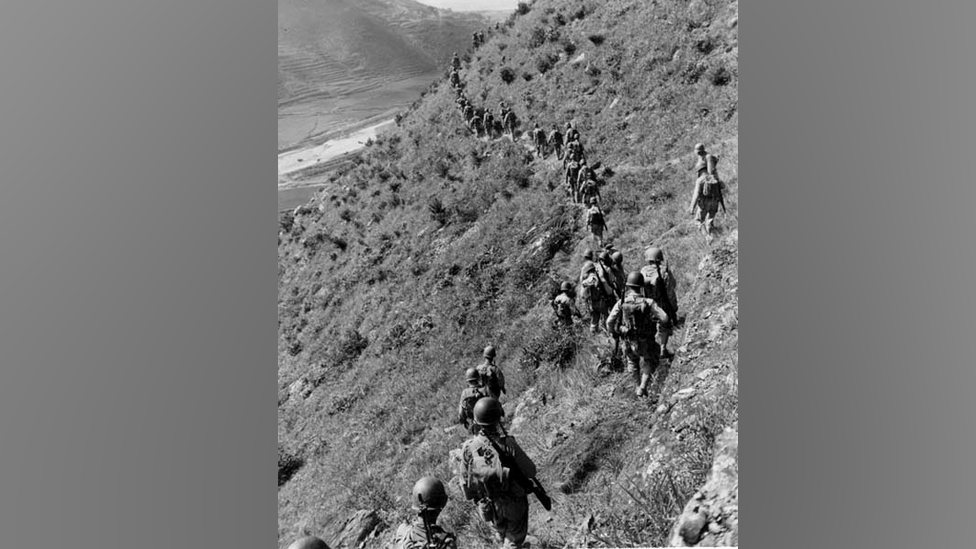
[617, 257]
[635, 279]
[566, 287]
[588, 255]
[605, 257]
[487, 411]
[309, 542]
[592, 200]
[471, 374]
[430, 492]
[569, 124]
[654, 254]
[699, 147]
[588, 266]
[489, 352]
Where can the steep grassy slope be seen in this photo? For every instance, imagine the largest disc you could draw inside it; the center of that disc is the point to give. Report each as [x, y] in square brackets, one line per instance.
[437, 243]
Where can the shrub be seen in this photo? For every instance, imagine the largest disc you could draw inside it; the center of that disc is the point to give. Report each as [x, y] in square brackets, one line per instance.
[721, 76]
[437, 211]
[569, 48]
[597, 39]
[288, 465]
[507, 75]
[537, 38]
[545, 62]
[522, 8]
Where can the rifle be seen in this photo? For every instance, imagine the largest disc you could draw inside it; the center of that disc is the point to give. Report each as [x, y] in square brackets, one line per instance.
[530, 485]
[423, 516]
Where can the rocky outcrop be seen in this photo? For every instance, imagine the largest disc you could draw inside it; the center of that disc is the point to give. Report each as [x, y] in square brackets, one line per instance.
[711, 517]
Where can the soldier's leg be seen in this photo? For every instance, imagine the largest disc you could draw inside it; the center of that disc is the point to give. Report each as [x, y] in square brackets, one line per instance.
[512, 522]
[631, 358]
[648, 364]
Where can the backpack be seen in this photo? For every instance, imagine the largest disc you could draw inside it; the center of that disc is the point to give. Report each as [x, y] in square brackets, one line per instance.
[596, 217]
[634, 319]
[489, 375]
[711, 187]
[484, 475]
[476, 394]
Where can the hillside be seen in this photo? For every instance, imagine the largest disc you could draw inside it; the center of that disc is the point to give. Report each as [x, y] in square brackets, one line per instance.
[341, 62]
[436, 243]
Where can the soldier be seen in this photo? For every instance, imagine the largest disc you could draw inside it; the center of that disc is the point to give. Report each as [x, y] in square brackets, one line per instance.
[572, 174]
[539, 138]
[596, 221]
[564, 307]
[589, 189]
[634, 319]
[309, 542]
[605, 270]
[474, 392]
[491, 375]
[455, 79]
[468, 112]
[497, 474]
[455, 62]
[707, 195]
[474, 40]
[489, 123]
[429, 497]
[508, 119]
[572, 134]
[618, 269]
[660, 285]
[481, 37]
[596, 293]
[475, 124]
[555, 141]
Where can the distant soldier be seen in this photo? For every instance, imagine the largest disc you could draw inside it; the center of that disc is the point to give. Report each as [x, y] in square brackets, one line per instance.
[572, 134]
[635, 319]
[489, 123]
[474, 40]
[481, 37]
[555, 141]
[508, 119]
[539, 139]
[456, 62]
[455, 79]
[429, 498]
[707, 195]
[564, 307]
[596, 222]
[618, 269]
[471, 394]
[491, 375]
[309, 542]
[503, 109]
[498, 476]
[589, 188]
[605, 269]
[468, 111]
[572, 174]
[595, 293]
[475, 124]
[660, 285]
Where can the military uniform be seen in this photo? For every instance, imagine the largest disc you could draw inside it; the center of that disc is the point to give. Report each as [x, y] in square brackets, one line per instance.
[707, 206]
[413, 536]
[470, 395]
[495, 389]
[660, 287]
[572, 173]
[565, 309]
[555, 141]
[639, 343]
[507, 506]
[588, 189]
[596, 293]
[596, 222]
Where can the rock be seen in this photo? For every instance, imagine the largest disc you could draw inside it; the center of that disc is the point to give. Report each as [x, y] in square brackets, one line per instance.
[733, 22]
[714, 528]
[691, 527]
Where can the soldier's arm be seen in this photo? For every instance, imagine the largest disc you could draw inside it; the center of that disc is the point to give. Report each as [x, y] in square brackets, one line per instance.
[613, 319]
[694, 196]
[664, 321]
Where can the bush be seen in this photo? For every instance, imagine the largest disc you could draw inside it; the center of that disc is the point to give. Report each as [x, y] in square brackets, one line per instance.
[507, 75]
[545, 62]
[288, 465]
[437, 211]
[597, 39]
[522, 8]
[721, 76]
[569, 48]
[537, 38]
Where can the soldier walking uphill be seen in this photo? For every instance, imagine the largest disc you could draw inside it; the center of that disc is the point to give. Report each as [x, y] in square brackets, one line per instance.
[572, 175]
[635, 319]
[498, 475]
[596, 222]
[660, 285]
[491, 375]
[489, 123]
[564, 307]
[555, 142]
[707, 195]
[539, 139]
[596, 293]
[455, 62]
[474, 392]
[588, 186]
[429, 498]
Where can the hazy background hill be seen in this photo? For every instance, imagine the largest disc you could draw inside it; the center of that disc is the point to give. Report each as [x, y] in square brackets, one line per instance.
[342, 62]
[434, 243]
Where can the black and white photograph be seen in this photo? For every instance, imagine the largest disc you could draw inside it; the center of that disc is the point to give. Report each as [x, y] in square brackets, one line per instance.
[507, 274]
